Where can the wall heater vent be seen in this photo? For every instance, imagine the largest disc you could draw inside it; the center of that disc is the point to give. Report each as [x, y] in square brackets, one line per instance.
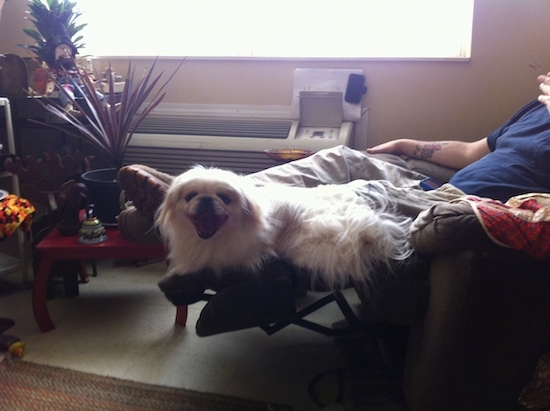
[220, 127]
[175, 137]
[177, 160]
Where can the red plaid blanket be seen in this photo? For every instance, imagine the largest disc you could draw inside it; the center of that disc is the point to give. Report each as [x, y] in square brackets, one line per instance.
[15, 212]
[522, 223]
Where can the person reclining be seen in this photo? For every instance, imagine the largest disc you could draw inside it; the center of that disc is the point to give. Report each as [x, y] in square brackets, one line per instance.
[512, 160]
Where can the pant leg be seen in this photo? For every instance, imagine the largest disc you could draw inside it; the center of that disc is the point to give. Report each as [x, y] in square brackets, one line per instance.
[407, 201]
[340, 165]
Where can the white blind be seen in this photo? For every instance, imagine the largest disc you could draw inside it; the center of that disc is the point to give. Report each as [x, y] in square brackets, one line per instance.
[282, 28]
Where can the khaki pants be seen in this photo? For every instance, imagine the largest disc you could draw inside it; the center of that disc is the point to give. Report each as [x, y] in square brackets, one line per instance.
[341, 165]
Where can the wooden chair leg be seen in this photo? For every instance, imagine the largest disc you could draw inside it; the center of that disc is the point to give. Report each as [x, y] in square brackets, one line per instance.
[83, 272]
[94, 268]
[181, 315]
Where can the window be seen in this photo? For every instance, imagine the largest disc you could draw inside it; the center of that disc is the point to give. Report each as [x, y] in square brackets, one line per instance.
[281, 29]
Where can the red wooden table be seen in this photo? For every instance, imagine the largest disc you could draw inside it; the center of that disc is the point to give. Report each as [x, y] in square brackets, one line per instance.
[57, 247]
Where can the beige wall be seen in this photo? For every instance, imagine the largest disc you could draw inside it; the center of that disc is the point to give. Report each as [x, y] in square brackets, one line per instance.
[432, 100]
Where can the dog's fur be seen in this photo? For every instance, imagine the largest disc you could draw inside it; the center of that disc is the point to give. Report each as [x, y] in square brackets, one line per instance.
[215, 219]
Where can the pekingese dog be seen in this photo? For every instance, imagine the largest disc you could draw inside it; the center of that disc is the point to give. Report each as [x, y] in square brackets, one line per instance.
[210, 219]
[216, 219]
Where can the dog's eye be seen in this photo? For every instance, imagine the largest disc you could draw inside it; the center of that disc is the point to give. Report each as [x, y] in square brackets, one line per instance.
[190, 196]
[225, 198]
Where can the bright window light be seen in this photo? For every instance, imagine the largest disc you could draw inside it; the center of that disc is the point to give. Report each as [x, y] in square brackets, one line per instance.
[278, 29]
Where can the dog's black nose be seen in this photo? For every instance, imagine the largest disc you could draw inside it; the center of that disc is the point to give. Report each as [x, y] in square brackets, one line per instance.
[205, 204]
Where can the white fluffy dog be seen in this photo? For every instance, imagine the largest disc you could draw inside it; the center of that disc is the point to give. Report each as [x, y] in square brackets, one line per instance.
[213, 218]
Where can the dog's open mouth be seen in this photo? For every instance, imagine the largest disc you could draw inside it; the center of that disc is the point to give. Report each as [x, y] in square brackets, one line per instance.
[207, 223]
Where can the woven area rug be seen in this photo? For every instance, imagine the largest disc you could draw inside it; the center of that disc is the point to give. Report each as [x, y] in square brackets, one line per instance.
[26, 386]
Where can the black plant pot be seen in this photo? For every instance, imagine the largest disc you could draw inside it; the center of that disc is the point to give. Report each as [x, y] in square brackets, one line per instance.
[104, 193]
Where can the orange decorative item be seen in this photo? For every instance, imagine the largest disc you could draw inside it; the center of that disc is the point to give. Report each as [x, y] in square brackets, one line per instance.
[15, 212]
[288, 154]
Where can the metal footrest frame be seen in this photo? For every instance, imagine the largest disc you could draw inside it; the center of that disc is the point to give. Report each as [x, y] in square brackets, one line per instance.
[354, 324]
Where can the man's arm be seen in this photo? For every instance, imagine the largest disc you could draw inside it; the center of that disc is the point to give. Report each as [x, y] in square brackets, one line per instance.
[454, 154]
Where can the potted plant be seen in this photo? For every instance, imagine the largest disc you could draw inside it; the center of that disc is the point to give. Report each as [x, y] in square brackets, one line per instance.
[107, 120]
[98, 115]
[106, 125]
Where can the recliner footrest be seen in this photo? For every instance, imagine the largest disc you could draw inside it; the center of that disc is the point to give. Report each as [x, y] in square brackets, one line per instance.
[248, 305]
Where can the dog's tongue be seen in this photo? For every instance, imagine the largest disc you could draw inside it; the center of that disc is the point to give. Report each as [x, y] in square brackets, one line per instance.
[207, 223]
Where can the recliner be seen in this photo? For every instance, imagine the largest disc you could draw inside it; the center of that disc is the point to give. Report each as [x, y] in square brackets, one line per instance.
[478, 313]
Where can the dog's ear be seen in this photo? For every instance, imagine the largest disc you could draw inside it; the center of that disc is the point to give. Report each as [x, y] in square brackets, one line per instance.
[164, 212]
[160, 216]
[252, 210]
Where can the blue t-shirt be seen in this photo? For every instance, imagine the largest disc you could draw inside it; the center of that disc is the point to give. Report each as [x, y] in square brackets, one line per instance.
[519, 161]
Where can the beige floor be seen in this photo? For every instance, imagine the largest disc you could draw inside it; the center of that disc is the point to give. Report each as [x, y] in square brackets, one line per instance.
[122, 326]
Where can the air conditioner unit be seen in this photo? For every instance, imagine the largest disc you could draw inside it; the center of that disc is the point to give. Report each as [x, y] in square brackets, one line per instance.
[176, 136]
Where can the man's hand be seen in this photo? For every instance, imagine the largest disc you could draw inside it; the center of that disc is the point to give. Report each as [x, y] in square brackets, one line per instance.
[544, 86]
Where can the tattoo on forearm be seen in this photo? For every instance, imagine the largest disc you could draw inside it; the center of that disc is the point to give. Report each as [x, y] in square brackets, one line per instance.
[427, 150]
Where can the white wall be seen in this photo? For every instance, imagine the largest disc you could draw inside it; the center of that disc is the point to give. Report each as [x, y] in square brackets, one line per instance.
[432, 100]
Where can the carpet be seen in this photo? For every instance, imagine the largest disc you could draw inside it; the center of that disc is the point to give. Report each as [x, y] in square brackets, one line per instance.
[26, 386]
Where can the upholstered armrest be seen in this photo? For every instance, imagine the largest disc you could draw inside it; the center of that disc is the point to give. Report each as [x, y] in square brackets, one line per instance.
[521, 225]
[486, 319]
[449, 226]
